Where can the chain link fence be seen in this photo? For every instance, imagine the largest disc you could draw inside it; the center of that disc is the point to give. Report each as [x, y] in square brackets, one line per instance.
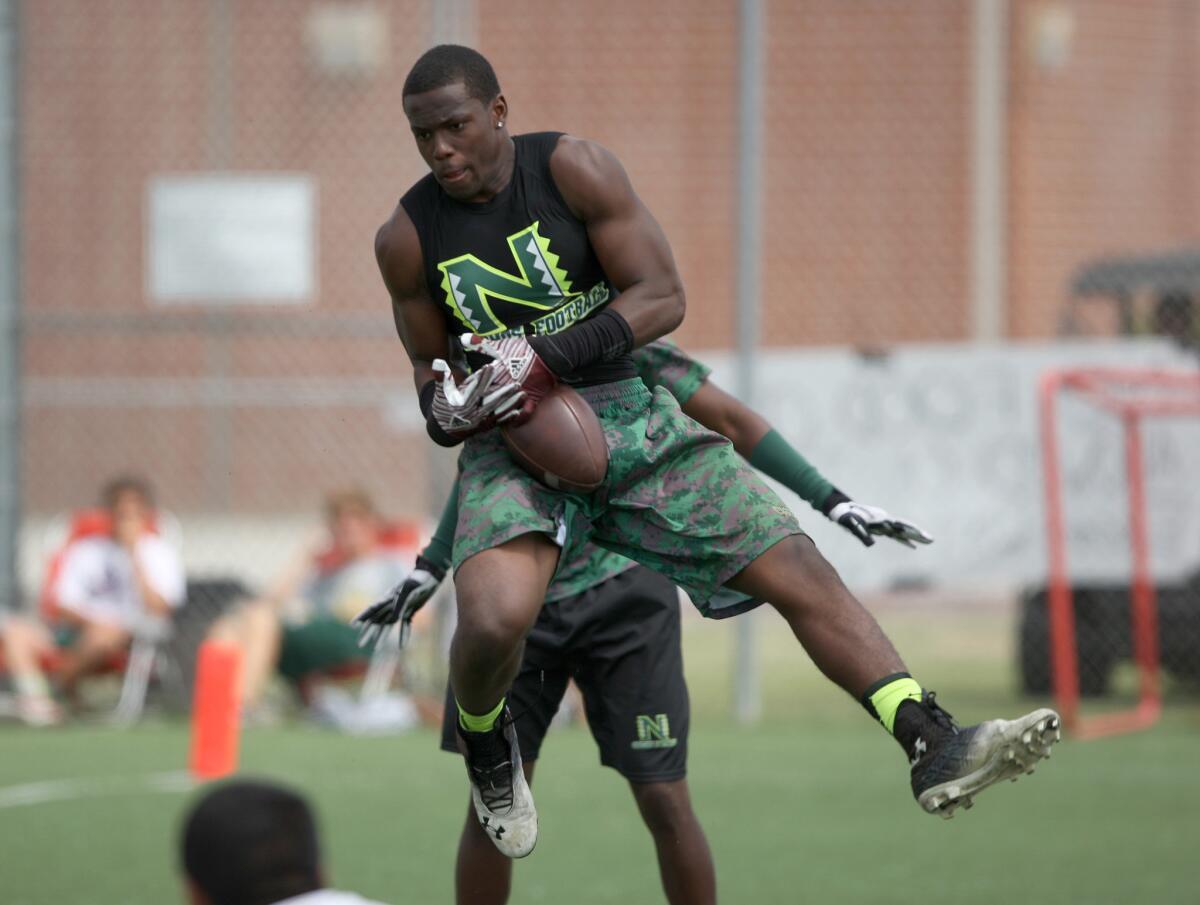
[201, 180]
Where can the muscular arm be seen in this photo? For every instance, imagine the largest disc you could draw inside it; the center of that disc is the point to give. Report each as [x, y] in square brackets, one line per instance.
[628, 241]
[766, 450]
[720, 412]
[757, 442]
[418, 319]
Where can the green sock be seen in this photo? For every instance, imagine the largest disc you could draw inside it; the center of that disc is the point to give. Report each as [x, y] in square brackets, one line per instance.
[778, 459]
[473, 723]
[884, 698]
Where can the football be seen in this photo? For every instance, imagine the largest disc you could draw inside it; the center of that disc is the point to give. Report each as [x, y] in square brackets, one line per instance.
[562, 443]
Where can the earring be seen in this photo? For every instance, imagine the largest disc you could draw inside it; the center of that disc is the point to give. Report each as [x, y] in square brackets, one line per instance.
[500, 125]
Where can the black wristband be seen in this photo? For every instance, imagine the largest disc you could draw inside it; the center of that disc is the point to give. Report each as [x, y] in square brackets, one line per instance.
[436, 434]
[835, 497]
[601, 338]
[431, 567]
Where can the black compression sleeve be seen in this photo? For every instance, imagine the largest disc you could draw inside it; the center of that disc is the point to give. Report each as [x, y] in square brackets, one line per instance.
[601, 338]
[436, 434]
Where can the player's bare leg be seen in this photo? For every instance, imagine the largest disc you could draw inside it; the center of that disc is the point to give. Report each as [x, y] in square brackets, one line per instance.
[684, 860]
[841, 637]
[23, 642]
[482, 876]
[500, 591]
[949, 765]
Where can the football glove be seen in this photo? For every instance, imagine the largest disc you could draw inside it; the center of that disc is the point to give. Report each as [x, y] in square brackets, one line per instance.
[867, 522]
[514, 360]
[486, 398]
[400, 605]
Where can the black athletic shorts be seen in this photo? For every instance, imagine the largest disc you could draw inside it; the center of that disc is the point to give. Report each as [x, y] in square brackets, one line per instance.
[619, 641]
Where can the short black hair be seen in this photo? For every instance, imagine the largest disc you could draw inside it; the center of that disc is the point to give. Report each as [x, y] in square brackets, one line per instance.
[251, 843]
[449, 63]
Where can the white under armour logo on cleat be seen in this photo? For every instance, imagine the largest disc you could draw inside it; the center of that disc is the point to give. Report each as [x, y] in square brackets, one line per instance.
[918, 750]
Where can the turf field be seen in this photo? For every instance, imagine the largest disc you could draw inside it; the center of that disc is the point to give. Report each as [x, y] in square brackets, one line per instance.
[811, 806]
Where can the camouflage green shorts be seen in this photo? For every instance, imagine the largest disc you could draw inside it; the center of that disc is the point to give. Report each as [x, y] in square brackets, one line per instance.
[677, 499]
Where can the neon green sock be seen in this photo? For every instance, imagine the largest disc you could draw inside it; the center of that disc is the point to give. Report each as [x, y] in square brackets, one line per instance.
[884, 698]
[473, 723]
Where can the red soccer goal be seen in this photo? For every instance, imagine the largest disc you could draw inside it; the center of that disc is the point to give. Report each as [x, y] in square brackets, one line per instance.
[1131, 396]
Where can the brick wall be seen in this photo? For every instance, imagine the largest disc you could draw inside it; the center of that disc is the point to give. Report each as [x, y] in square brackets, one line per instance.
[1103, 154]
[866, 216]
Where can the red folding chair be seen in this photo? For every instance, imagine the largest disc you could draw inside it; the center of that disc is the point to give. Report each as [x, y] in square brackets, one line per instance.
[136, 664]
[404, 539]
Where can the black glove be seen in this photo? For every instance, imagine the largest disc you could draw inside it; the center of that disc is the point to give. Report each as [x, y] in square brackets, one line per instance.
[401, 604]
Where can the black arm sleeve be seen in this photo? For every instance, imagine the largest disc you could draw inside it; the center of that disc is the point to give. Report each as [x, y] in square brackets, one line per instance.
[601, 338]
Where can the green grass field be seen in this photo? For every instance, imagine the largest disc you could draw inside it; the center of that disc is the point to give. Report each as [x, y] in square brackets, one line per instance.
[810, 806]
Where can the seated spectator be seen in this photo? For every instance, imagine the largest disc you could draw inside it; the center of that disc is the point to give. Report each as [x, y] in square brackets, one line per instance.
[107, 586]
[255, 843]
[330, 584]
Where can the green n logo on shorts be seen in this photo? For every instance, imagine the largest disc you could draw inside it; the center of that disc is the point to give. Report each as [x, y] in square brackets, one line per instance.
[654, 732]
[472, 287]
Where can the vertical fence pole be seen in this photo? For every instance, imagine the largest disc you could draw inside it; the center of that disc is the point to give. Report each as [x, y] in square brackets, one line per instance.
[10, 310]
[988, 160]
[450, 22]
[751, 152]
[218, 326]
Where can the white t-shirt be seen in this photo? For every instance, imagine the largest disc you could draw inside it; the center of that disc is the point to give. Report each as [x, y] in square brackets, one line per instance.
[344, 593]
[97, 581]
[328, 897]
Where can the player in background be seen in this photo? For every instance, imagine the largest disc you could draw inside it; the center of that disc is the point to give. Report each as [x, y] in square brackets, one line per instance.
[539, 249]
[613, 626]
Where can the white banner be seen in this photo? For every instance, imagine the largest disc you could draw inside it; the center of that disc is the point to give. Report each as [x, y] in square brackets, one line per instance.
[947, 436]
[232, 237]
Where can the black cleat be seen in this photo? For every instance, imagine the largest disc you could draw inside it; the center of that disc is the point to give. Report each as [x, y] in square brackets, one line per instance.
[503, 802]
[950, 765]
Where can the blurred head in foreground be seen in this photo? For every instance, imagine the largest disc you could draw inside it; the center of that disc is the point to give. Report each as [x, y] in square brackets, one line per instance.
[250, 843]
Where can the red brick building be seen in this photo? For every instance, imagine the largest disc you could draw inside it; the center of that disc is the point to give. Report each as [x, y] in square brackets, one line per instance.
[868, 199]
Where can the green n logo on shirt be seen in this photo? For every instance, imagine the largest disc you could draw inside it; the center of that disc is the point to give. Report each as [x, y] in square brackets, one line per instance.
[474, 288]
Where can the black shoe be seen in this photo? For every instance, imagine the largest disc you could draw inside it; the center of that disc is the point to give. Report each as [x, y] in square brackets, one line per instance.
[503, 802]
[951, 765]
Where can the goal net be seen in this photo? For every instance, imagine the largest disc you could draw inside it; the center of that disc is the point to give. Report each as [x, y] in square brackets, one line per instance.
[1121, 466]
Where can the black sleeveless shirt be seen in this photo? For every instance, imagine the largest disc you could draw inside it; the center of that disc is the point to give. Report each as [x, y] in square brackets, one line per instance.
[518, 263]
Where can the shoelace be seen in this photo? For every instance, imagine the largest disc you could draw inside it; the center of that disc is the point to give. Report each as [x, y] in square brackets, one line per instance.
[940, 716]
[495, 785]
[495, 780]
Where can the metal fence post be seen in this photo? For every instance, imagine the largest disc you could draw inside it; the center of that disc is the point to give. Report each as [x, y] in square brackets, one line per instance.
[751, 53]
[10, 307]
